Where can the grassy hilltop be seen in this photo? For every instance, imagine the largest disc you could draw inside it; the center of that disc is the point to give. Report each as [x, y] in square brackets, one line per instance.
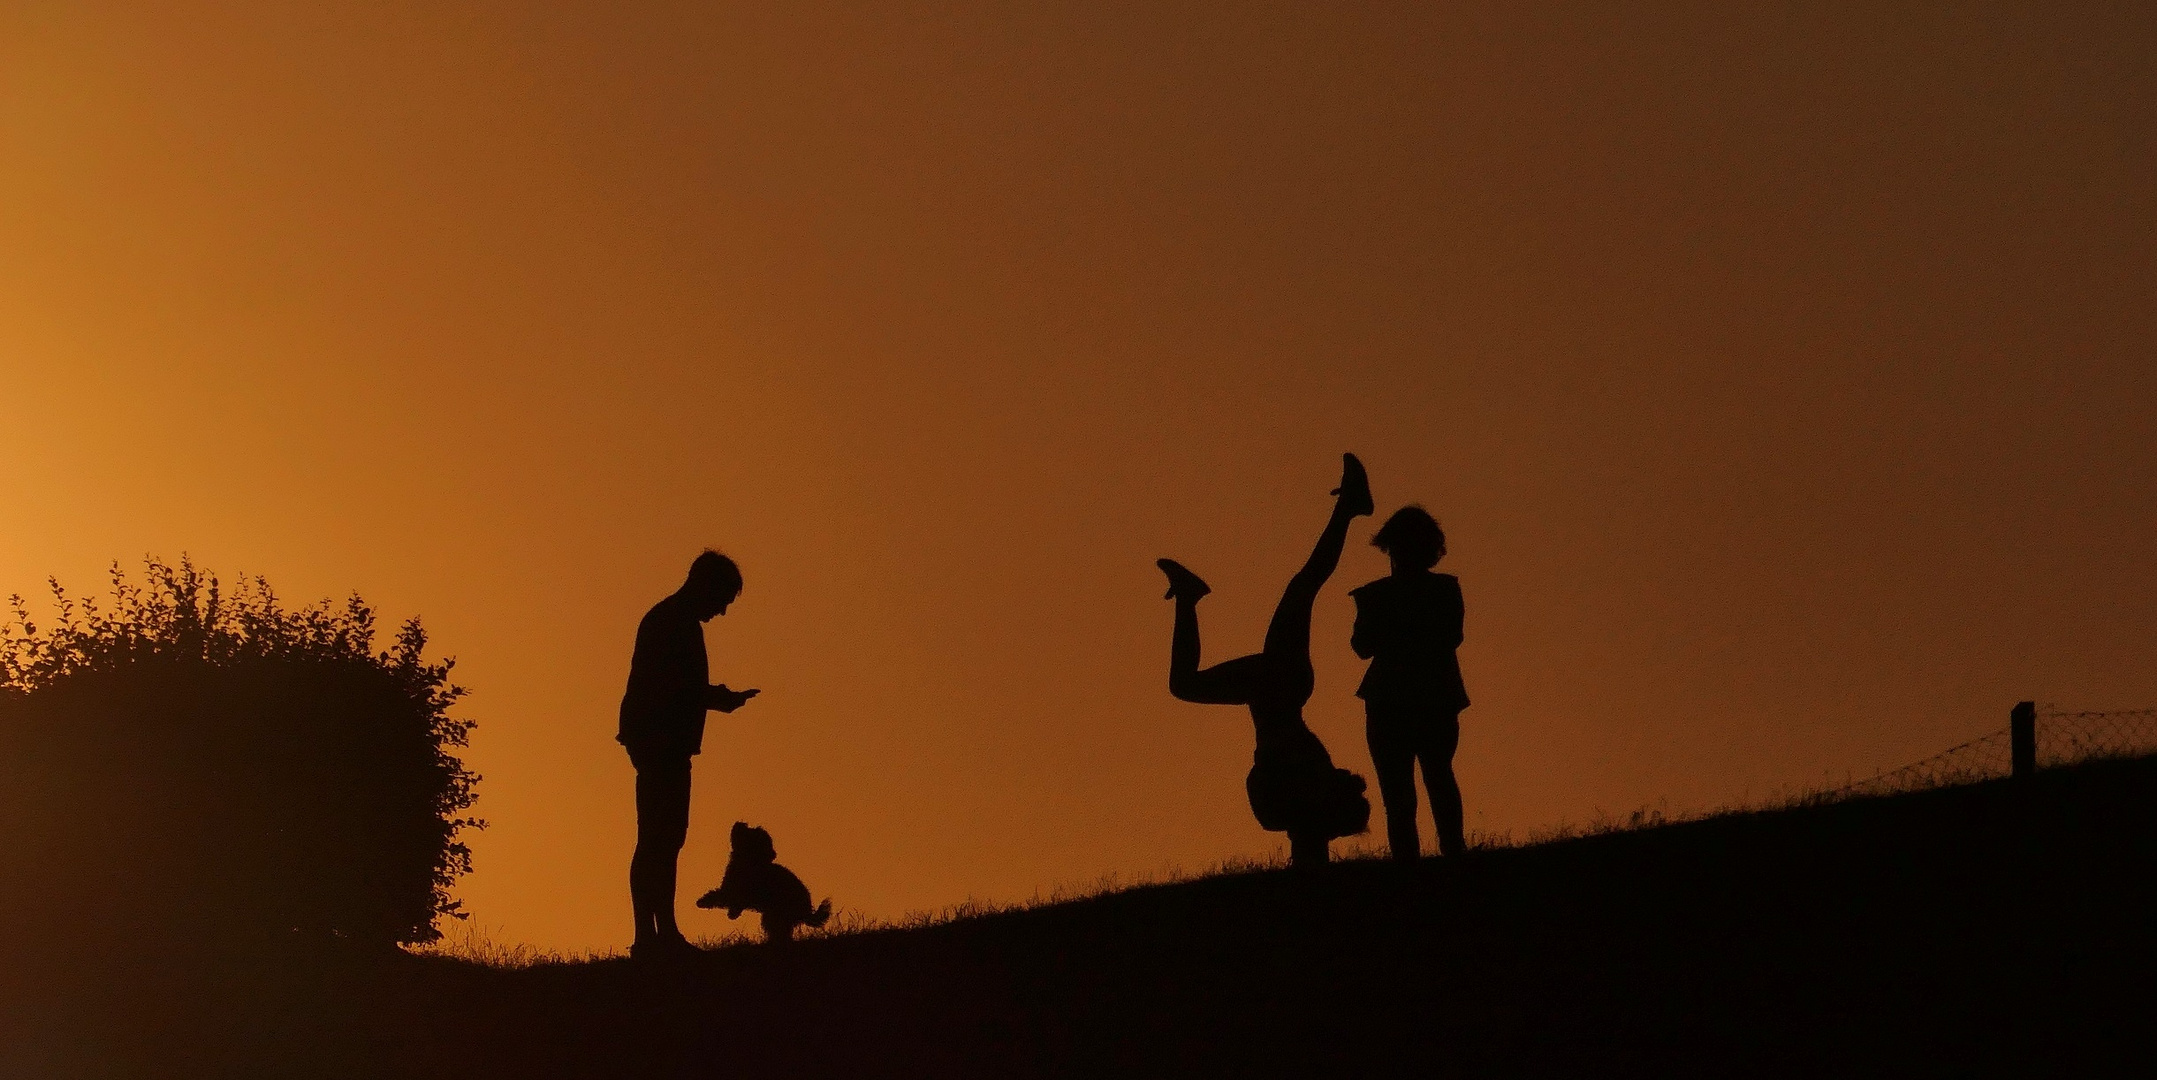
[1996, 927]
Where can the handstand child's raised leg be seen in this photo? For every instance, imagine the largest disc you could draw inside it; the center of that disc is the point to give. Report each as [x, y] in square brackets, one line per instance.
[1293, 784]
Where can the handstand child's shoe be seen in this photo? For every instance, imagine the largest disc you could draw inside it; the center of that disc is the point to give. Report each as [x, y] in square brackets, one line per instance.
[1355, 489]
[1182, 582]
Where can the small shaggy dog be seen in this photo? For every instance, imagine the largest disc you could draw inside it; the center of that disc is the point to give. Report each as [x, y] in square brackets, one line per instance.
[755, 881]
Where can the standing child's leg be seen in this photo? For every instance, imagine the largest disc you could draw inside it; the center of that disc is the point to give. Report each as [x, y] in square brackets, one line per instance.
[1393, 757]
[1444, 789]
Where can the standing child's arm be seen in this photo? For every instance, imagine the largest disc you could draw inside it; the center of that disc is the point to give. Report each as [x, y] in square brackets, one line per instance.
[1452, 611]
[1363, 639]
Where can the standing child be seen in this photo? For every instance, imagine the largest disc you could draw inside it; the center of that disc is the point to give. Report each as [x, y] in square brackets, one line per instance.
[1408, 625]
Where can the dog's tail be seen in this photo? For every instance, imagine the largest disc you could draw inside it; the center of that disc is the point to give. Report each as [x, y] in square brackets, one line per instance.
[823, 912]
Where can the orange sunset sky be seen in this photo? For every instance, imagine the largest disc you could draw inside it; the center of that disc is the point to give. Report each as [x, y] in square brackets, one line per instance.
[1784, 375]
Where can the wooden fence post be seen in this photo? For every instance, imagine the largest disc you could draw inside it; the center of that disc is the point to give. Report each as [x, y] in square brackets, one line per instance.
[2022, 738]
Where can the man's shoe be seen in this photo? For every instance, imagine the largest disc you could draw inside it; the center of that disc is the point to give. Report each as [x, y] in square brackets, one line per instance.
[665, 947]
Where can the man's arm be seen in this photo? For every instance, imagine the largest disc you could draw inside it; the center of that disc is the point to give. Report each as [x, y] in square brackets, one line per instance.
[721, 699]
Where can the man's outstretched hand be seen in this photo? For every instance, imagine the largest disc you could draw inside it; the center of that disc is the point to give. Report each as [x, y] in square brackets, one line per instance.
[725, 700]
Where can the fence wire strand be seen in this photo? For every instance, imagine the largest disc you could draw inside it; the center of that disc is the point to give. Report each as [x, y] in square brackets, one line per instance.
[2063, 738]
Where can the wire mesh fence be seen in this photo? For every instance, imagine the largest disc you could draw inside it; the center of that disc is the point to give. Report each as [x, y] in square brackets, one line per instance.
[2063, 738]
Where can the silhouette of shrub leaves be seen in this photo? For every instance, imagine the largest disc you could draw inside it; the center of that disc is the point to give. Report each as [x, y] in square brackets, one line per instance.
[190, 759]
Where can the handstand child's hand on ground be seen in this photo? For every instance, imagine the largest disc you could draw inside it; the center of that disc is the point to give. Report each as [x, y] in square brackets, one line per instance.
[725, 700]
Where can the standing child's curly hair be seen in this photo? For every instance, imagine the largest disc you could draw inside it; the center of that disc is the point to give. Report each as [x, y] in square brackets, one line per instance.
[1412, 536]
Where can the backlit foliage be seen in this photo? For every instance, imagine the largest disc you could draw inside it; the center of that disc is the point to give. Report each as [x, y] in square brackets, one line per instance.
[246, 764]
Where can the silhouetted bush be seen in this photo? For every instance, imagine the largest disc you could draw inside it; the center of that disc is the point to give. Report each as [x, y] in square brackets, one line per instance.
[199, 762]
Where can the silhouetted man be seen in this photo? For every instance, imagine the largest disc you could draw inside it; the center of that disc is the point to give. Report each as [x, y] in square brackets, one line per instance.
[663, 727]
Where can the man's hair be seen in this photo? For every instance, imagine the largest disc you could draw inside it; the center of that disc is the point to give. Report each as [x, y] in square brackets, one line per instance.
[715, 573]
[1412, 536]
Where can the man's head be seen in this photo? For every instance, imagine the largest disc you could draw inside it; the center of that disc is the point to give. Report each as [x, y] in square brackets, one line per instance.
[714, 582]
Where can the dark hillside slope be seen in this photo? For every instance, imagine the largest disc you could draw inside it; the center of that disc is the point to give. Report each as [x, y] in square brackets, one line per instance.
[1970, 929]
[1999, 927]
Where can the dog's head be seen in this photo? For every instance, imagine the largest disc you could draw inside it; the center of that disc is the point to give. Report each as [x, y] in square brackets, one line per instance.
[752, 844]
